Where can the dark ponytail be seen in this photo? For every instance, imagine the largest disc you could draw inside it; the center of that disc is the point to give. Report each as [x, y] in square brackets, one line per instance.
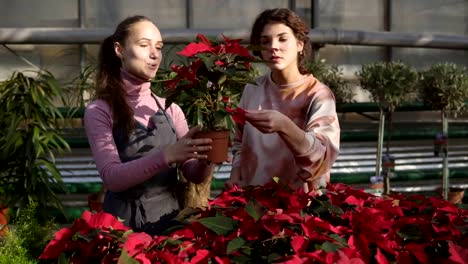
[109, 85]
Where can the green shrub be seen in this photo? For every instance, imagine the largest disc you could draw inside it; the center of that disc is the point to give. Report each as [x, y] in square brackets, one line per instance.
[29, 136]
[332, 76]
[390, 83]
[444, 86]
[12, 250]
[26, 238]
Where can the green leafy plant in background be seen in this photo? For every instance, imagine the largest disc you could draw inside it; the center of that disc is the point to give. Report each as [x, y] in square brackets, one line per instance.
[27, 238]
[332, 76]
[390, 84]
[444, 86]
[79, 89]
[30, 140]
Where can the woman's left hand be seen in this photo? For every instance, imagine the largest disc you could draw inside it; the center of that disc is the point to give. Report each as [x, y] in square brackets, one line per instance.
[266, 121]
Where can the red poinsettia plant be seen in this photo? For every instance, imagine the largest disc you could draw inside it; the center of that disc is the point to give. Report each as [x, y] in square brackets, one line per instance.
[274, 224]
[209, 85]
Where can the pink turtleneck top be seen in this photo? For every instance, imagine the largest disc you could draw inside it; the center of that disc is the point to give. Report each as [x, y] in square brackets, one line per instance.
[98, 123]
[311, 106]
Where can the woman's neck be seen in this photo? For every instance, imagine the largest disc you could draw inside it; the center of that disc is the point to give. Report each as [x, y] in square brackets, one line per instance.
[135, 86]
[286, 77]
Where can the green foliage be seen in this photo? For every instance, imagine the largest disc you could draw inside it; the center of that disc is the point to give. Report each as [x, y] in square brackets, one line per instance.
[26, 238]
[79, 86]
[34, 235]
[12, 250]
[332, 76]
[390, 83]
[444, 86]
[29, 139]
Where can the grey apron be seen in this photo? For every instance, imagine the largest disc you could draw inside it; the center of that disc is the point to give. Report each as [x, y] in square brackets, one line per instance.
[151, 205]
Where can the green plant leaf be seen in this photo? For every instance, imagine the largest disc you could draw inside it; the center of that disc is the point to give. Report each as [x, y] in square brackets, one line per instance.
[255, 209]
[330, 247]
[219, 224]
[126, 259]
[411, 232]
[235, 244]
[339, 239]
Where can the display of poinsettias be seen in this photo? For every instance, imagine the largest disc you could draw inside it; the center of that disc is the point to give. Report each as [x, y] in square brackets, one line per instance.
[274, 224]
[214, 75]
[94, 238]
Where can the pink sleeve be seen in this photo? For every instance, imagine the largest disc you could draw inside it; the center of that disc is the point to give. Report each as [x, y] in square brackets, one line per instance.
[323, 133]
[117, 176]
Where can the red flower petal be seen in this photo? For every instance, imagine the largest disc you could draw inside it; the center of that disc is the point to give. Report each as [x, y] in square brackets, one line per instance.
[136, 243]
[299, 244]
[203, 39]
[193, 49]
[238, 115]
[57, 245]
[380, 257]
[201, 256]
[103, 220]
[457, 253]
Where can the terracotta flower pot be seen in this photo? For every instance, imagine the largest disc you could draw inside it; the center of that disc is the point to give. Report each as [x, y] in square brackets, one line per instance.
[219, 146]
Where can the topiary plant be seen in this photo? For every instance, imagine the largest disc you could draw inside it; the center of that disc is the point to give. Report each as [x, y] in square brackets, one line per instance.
[444, 86]
[390, 84]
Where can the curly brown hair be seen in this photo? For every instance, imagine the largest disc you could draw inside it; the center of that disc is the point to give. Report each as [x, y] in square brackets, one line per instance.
[290, 19]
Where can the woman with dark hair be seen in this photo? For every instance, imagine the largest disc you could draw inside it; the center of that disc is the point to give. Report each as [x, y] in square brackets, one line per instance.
[135, 141]
[292, 130]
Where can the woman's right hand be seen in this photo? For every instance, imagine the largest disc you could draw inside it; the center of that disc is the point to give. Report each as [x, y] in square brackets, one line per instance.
[187, 148]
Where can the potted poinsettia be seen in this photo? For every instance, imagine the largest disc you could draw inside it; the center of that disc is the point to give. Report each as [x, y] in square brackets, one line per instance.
[208, 84]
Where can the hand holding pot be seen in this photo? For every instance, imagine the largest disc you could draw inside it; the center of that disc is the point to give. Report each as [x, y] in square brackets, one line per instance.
[187, 148]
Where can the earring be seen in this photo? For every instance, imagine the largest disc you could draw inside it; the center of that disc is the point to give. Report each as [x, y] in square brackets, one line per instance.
[300, 53]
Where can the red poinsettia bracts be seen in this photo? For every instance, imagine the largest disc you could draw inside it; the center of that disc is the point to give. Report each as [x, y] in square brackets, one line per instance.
[90, 237]
[214, 71]
[238, 114]
[274, 223]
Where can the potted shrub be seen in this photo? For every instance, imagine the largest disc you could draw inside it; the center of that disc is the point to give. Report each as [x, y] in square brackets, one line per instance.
[30, 138]
[444, 87]
[390, 84]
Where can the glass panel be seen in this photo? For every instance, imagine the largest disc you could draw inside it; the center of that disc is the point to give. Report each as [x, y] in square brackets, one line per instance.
[230, 14]
[27, 13]
[349, 15]
[430, 16]
[107, 13]
[353, 15]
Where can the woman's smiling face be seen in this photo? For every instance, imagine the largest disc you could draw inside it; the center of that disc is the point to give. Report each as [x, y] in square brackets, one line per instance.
[141, 54]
